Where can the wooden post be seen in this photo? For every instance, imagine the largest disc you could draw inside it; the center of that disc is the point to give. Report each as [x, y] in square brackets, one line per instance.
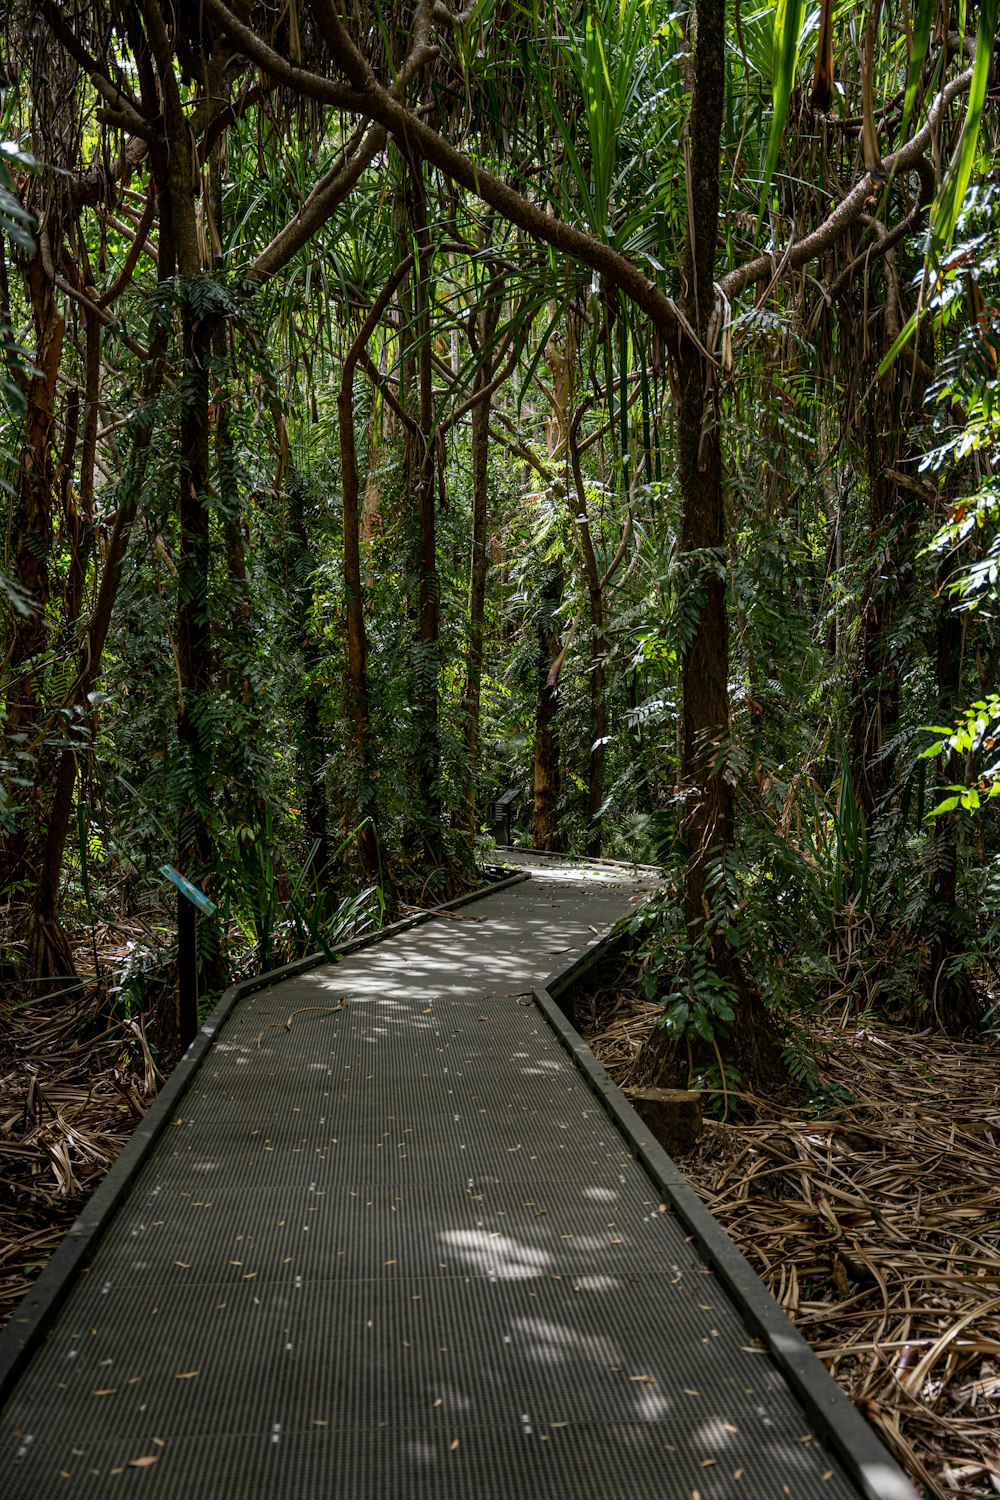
[187, 970]
[673, 1115]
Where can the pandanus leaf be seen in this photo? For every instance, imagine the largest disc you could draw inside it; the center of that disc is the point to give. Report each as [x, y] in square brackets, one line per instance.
[922, 24]
[946, 210]
[787, 31]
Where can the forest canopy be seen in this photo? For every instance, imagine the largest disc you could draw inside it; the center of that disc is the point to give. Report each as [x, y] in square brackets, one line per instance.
[596, 401]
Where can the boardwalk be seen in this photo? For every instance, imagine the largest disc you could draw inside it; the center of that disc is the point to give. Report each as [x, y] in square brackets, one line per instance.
[391, 1245]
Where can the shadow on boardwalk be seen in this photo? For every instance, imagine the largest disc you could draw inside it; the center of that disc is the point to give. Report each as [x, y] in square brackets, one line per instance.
[391, 1244]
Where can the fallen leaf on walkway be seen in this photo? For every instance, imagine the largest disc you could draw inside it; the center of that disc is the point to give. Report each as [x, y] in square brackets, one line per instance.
[187, 1375]
[144, 1462]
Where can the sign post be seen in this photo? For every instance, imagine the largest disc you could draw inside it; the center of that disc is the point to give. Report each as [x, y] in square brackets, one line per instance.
[190, 900]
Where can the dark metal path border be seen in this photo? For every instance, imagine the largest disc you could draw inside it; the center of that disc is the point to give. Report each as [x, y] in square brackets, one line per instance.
[844, 1432]
[839, 1424]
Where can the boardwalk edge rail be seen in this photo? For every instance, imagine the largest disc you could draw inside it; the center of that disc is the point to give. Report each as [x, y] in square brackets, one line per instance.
[35, 1314]
[837, 1421]
[843, 1429]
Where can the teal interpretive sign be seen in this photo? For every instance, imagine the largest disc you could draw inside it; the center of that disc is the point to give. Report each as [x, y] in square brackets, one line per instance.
[199, 899]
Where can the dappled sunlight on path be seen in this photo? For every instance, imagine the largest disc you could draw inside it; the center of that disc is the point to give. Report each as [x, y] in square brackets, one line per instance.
[392, 1245]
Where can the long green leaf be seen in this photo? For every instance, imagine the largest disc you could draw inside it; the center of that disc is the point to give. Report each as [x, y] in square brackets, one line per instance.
[902, 339]
[949, 205]
[922, 24]
[787, 30]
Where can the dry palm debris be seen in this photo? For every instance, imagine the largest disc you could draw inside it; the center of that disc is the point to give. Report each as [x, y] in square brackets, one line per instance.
[877, 1228]
[72, 1089]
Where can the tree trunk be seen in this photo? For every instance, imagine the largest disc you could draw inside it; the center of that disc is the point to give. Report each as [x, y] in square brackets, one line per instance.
[357, 636]
[34, 527]
[478, 567]
[951, 995]
[193, 635]
[55, 126]
[708, 813]
[427, 648]
[545, 801]
[598, 649]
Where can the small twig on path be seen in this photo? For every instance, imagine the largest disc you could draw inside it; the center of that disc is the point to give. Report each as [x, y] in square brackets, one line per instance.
[326, 1010]
[446, 916]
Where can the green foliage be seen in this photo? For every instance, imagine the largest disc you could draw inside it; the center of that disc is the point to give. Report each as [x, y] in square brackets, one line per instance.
[923, 22]
[681, 974]
[785, 53]
[951, 199]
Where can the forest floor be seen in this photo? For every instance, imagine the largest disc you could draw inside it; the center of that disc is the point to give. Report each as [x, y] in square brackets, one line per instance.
[873, 1216]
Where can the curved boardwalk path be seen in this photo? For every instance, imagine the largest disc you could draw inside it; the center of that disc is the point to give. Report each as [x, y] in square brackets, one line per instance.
[395, 1247]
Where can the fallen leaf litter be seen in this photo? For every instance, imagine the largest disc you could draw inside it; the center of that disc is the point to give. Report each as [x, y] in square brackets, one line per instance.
[876, 1226]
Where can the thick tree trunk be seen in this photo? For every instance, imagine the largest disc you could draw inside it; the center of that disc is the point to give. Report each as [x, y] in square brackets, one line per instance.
[55, 126]
[90, 663]
[34, 528]
[173, 158]
[708, 815]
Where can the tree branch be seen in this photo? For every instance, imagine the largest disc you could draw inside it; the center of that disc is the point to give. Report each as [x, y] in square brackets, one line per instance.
[324, 199]
[378, 105]
[906, 159]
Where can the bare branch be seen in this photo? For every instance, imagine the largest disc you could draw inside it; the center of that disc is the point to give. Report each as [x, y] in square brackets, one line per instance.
[324, 199]
[906, 159]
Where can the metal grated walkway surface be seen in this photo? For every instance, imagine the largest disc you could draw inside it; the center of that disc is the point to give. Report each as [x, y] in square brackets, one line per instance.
[395, 1247]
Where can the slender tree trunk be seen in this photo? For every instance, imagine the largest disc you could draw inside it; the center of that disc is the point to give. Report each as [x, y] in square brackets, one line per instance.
[427, 749]
[951, 995]
[309, 729]
[545, 801]
[357, 634]
[598, 650]
[479, 564]
[49, 946]
[193, 635]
